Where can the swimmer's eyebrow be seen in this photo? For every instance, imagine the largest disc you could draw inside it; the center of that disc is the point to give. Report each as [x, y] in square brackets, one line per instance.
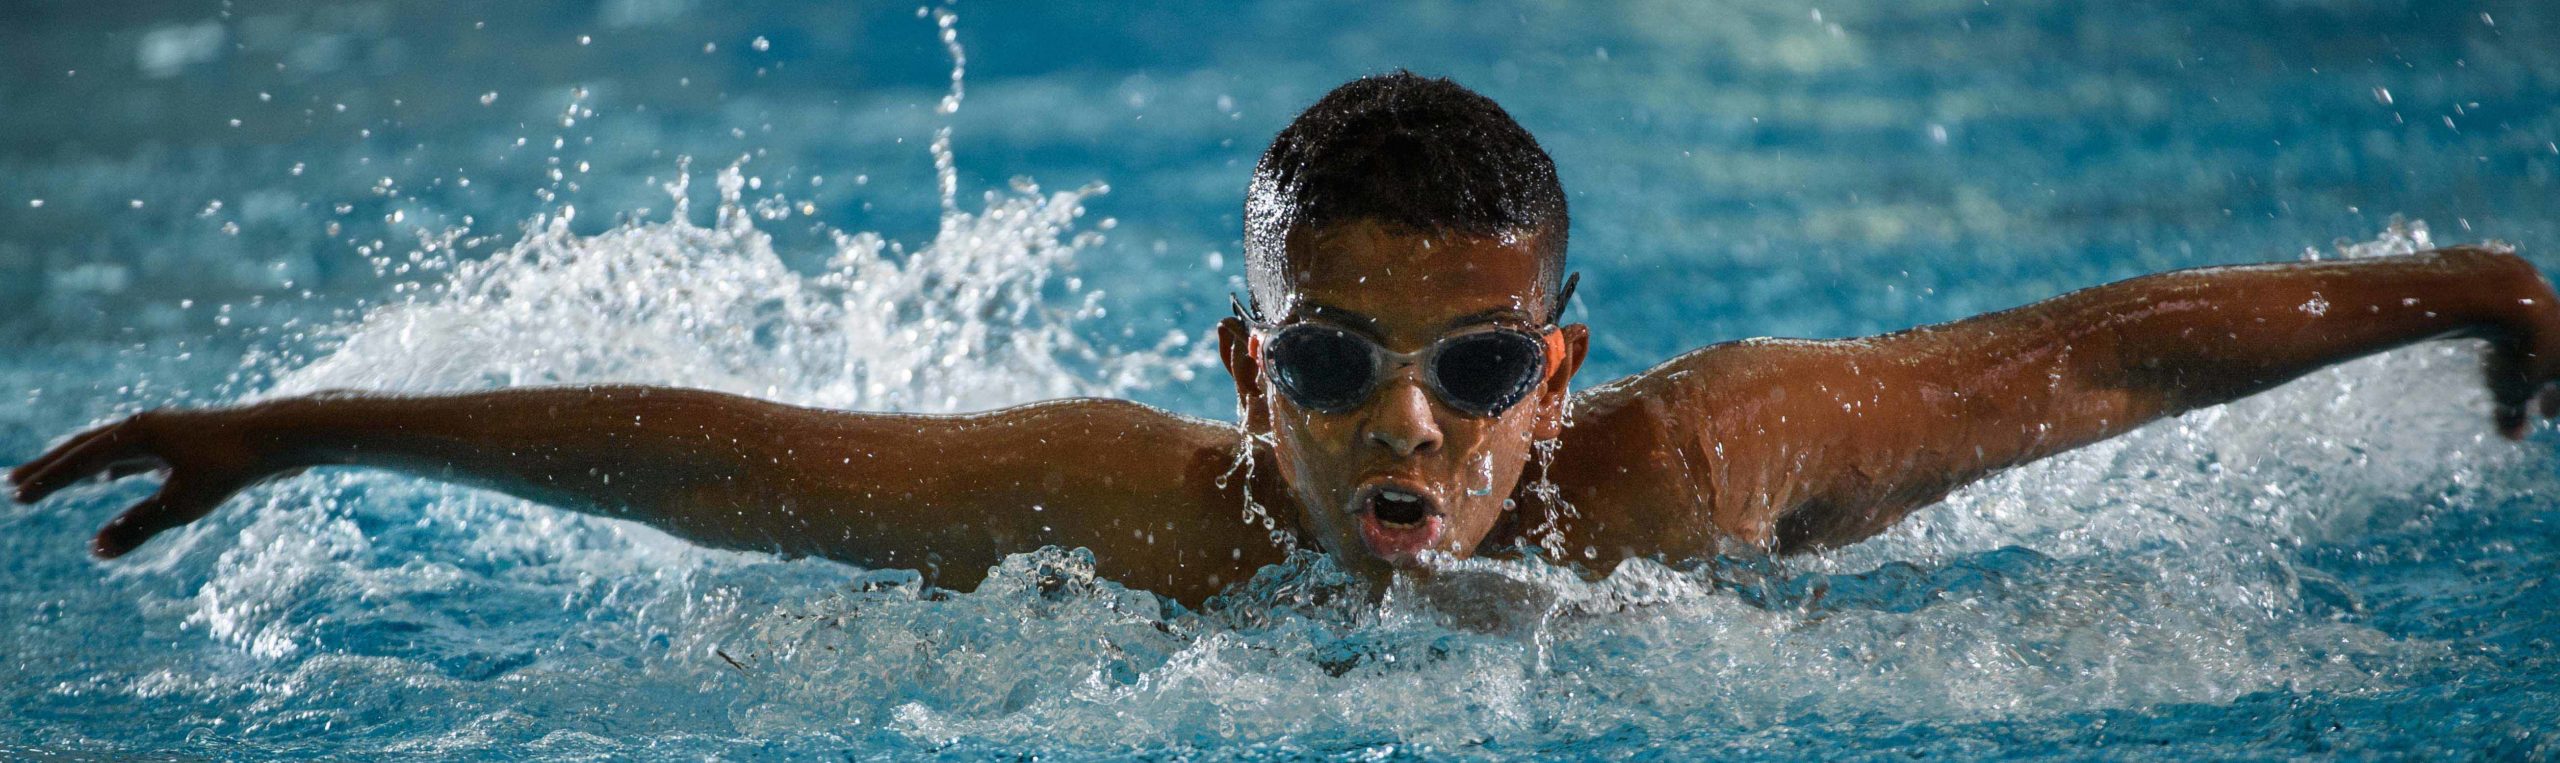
[1350, 319]
[1361, 322]
[1495, 315]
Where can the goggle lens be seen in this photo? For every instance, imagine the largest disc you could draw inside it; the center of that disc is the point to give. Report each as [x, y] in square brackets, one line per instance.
[1323, 368]
[1333, 370]
[1484, 374]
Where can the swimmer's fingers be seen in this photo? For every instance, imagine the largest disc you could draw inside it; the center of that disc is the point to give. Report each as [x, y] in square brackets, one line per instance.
[100, 450]
[2513, 388]
[185, 498]
[2506, 413]
[200, 451]
[2524, 355]
[2542, 362]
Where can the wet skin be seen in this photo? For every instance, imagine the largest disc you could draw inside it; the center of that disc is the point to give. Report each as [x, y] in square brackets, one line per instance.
[1405, 290]
[1772, 445]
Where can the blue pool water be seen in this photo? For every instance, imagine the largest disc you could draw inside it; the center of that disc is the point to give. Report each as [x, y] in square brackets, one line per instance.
[207, 204]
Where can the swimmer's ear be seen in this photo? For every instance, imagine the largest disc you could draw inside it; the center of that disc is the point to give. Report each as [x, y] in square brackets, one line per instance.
[1235, 348]
[1558, 386]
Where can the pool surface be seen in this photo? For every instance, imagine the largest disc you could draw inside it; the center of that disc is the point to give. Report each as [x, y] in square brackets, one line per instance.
[955, 207]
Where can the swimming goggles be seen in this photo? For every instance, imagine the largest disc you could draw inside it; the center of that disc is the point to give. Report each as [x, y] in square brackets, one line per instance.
[1479, 372]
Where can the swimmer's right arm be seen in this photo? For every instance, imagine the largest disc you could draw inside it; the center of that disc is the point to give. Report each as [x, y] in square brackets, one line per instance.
[1822, 444]
[949, 495]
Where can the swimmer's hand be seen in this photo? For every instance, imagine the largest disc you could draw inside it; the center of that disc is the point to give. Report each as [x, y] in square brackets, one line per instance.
[204, 456]
[2524, 339]
[2278, 322]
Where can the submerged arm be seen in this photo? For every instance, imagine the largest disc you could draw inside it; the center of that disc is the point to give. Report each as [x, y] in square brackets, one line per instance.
[1841, 439]
[947, 494]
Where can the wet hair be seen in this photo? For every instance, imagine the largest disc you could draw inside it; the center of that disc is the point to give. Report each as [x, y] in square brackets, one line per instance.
[1407, 151]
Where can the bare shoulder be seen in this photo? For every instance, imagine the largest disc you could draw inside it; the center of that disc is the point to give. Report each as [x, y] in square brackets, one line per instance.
[1114, 419]
[1159, 496]
[1099, 446]
[1676, 460]
[1729, 373]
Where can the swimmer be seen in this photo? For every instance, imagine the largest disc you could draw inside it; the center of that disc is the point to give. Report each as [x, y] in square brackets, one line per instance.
[1402, 369]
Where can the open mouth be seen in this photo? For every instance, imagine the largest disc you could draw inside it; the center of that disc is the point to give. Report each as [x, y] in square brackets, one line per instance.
[1397, 508]
[1397, 523]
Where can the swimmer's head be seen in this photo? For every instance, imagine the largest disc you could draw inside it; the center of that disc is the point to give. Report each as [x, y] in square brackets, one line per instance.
[1416, 154]
[1405, 248]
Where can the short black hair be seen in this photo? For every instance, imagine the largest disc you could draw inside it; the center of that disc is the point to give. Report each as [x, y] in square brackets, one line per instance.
[1409, 151]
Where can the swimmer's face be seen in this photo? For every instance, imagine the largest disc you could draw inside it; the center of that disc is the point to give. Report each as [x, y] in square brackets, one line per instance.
[1357, 471]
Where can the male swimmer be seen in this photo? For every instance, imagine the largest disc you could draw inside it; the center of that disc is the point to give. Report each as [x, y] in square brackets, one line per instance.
[1400, 364]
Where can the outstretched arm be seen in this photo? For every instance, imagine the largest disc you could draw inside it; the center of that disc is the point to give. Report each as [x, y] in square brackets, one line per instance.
[947, 494]
[1828, 443]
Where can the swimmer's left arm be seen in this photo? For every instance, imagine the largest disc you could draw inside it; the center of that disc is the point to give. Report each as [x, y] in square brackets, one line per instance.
[1854, 434]
[948, 494]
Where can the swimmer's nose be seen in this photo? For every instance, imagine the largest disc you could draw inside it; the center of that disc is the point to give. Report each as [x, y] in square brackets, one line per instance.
[1402, 420]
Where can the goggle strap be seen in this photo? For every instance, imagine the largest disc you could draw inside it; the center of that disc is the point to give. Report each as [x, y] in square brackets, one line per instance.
[1563, 297]
[1243, 313]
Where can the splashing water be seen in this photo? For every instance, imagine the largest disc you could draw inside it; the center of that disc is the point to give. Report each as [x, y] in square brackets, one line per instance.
[1549, 534]
[981, 317]
[2252, 559]
[964, 323]
[1240, 474]
[2181, 564]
